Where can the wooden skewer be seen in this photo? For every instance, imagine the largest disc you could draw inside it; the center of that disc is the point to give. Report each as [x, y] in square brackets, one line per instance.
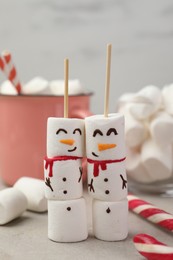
[66, 71]
[107, 85]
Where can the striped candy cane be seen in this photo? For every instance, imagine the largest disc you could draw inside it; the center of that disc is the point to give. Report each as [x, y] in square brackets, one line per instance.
[7, 66]
[151, 248]
[150, 212]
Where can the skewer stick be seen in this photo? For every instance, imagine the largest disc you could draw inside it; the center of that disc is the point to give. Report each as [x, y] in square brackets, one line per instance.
[66, 70]
[107, 85]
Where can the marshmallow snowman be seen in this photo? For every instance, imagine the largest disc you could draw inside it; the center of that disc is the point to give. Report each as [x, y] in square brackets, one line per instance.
[63, 164]
[107, 180]
[105, 149]
[63, 180]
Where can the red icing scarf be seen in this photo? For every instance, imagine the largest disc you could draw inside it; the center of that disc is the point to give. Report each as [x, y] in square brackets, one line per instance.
[102, 164]
[50, 161]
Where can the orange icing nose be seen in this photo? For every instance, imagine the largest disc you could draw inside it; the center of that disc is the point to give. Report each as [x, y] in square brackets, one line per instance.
[67, 141]
[102, 147]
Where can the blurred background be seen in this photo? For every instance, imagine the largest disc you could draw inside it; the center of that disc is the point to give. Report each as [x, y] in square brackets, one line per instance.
[41, 33]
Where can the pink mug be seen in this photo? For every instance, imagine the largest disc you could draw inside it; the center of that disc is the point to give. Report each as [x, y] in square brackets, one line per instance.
[23, 122]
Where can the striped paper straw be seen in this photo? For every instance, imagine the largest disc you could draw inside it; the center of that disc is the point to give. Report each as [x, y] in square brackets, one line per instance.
[151, 212]
[1, 63]
[151, 248]
[10, 70]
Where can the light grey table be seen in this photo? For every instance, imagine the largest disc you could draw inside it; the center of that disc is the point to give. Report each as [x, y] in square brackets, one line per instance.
[26, 238]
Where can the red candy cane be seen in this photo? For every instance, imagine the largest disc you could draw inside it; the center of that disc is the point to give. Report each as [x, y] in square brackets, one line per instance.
[151, 212]
[151, 248]
[7, 66]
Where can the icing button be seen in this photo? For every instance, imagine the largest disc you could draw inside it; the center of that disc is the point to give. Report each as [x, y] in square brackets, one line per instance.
[65, 192]
[68, 208]
[108, 210]
[106, 179]
[64, 179]
[107, 191]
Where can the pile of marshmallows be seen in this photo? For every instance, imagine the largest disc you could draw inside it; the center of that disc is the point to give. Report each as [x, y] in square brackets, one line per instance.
[26, 194]
[40, 86]
[149, 133]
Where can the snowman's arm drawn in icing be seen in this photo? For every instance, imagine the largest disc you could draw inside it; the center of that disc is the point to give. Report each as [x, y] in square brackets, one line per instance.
[81, 172]
[48, 183]
[124, 182]
[90, 186]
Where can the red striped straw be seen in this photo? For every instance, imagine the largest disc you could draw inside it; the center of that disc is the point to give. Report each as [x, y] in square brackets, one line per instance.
[7, 66]
[151, 248]
[150, 212]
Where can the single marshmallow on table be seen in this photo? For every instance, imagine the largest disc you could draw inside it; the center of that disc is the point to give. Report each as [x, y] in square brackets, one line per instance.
[106, 152]
[75, 88]
[135, 131]
[110, 222]
[36, 86]
[167, 94]
[12, 204]
[161, 128]
[63, 165]
[33, 189]
[157, 160]
[67, 220]
[146, 102]
[7, 88]
[135, 168]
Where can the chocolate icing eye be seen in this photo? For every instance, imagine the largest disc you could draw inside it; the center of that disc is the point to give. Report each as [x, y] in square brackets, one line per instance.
[112, 130]
[77, 130]
[61, 130]
[97, 131]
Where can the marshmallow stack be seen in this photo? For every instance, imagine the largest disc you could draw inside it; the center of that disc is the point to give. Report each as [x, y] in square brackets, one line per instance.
[149, 118]
[107, 181]
[63, 180]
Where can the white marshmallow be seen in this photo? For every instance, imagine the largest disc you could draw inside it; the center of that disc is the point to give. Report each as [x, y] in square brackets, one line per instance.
[7, 88]
[161, 128]
[12, 204]
[110, 220]
[66, 182]
[110, 184]
[157, 160]
[167, 94]
[36, 86]
[33, 189]
[105, 148]
[102, 131]
[146, 102]
[67, 220]
[59, 129]
[135, 131]
[135, 168]
[75, 87]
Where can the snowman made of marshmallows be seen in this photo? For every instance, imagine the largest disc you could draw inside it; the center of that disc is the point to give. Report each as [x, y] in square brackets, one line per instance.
[107, 181]
[67, 220]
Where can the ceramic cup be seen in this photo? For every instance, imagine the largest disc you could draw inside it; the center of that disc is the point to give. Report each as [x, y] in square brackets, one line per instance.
[23, 121]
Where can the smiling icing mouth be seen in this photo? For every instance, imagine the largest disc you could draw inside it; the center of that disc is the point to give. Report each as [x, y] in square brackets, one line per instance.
[72, 150]
[95, 154]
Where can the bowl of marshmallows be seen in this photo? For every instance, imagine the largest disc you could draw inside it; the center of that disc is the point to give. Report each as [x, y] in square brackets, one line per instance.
[149, 138]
